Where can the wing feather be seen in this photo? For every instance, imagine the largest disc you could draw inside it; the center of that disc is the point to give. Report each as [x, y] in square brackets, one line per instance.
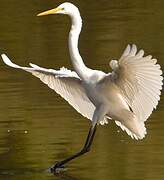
[65, 82]
[140, 81]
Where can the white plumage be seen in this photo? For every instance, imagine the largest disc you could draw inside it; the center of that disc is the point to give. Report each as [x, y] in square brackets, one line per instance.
[128, 95]
[140, 81]
[66, 83]
[138, 78]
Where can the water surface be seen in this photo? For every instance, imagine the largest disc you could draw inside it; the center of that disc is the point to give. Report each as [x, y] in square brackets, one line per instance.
[37, 127]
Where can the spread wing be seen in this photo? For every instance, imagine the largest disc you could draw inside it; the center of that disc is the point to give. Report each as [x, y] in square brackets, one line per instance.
[64, 82]
[139, 79]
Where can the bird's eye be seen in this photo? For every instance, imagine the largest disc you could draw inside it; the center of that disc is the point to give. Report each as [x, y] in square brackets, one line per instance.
[62, 9]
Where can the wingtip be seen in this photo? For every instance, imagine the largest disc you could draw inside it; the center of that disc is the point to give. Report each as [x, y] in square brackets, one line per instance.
[127, 50]
[5, 59]
[3, 56]
[134, 46]
[8, 62]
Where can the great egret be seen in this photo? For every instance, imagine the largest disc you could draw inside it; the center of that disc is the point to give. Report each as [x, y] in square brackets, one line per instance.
[128, 94]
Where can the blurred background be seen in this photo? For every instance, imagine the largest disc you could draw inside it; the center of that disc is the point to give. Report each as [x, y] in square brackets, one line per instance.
[37, 127]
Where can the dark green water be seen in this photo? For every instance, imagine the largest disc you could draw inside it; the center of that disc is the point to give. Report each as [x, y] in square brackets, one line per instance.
[37, 127]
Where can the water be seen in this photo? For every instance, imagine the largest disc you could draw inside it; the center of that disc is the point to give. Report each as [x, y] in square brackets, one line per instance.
[37, 127]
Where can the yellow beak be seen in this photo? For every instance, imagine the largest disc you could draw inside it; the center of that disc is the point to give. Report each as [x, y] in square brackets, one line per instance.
[52, 11]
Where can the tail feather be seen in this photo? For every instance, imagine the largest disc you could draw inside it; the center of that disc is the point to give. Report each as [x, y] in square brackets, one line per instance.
[129, 123]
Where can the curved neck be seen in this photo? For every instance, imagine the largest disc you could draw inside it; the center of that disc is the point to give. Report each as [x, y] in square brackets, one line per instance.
[77, 61]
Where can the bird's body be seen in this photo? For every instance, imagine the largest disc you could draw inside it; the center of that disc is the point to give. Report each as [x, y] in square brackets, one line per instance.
[127, 95]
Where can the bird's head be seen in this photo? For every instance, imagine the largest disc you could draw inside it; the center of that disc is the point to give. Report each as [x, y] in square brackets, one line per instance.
[64, 8]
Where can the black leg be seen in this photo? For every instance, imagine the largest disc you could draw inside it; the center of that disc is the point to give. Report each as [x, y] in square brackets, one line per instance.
[84, 150]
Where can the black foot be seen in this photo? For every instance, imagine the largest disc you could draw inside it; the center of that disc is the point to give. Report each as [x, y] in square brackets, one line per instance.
[57, 168]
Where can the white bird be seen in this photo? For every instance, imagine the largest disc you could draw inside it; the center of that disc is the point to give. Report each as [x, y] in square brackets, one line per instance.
[127, 95]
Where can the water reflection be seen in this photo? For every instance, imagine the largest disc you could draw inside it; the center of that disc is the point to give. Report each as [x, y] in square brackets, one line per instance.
[54, 129]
